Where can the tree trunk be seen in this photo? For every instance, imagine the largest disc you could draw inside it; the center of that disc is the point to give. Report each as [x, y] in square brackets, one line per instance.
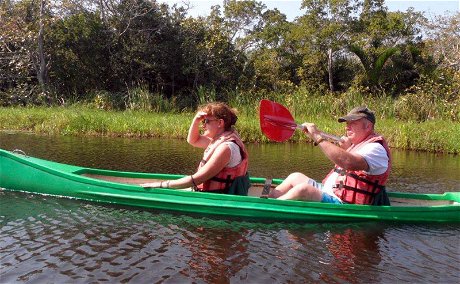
[41, 53]
[329, 69]
[103, 12]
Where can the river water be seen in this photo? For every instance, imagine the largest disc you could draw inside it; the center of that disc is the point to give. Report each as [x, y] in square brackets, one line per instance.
[58, 240]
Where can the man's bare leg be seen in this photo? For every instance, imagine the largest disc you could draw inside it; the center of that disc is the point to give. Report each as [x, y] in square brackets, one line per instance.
[291, 181]
[303, 191]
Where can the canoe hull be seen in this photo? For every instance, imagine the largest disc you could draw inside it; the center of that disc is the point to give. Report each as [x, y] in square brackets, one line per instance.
[28, 174]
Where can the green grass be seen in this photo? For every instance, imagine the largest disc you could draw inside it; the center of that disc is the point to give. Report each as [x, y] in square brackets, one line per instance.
[432, 135]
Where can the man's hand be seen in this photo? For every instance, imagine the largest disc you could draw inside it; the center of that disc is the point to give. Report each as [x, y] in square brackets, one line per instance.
[311, 130]
[345, 143]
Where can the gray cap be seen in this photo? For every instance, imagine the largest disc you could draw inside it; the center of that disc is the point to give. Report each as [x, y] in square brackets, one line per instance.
[358, 113]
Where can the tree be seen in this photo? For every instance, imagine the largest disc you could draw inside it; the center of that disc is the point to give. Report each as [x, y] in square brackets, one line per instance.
[80, 56]
[380, 35]
[328, 24]
[443, 40]
[272, 59]
[239, 20]
[41, 51]
[20, 64]
[373, 66]
[210, 58]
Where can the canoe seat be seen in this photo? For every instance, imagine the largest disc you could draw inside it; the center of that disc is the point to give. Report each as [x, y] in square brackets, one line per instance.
[255, 189]
[262, 190]
[127, 180]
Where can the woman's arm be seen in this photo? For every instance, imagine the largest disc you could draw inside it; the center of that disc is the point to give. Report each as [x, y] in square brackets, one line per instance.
[216, 163]
[194, 138]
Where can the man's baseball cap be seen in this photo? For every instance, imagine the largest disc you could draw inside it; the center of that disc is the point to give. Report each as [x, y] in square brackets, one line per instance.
[358, 113]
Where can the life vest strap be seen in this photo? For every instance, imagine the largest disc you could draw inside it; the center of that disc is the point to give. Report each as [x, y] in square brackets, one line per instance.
[355, 176]
[228, 182]
[360, 190]
[224, 180]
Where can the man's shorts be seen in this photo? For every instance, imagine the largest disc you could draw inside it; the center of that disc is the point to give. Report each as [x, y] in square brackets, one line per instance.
[325, 197]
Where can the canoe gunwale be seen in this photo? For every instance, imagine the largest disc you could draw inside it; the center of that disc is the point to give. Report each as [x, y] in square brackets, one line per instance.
[219, 204]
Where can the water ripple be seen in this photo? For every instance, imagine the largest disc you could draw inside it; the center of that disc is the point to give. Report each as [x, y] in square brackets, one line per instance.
[45, 239]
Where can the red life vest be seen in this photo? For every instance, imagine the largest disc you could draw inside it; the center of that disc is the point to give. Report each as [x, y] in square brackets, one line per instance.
[359, 187]
[223, 180]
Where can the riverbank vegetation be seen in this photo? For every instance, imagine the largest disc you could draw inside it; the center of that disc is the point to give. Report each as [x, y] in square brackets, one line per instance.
[435, 135]
[125, 67]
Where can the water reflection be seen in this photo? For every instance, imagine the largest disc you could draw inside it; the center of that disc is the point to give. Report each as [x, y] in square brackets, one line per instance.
[69, 241]
[216, 254]
[330, 253]
[425, 172]
[356, 254]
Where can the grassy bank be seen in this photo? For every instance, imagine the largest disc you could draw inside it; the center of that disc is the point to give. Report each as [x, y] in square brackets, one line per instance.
[433, 135]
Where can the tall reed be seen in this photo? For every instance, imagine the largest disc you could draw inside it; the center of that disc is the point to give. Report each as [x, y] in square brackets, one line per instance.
[436, 135]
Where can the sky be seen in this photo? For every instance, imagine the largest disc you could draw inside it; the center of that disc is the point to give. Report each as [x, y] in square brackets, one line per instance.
[291, 8]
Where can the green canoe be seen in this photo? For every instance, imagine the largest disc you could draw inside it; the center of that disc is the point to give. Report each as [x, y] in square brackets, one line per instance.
[19, 172]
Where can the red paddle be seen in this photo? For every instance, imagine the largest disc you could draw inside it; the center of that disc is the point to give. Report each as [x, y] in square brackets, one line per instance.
[278, 124]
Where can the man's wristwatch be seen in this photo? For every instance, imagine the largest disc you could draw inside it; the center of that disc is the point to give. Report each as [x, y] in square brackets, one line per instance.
[317, 142]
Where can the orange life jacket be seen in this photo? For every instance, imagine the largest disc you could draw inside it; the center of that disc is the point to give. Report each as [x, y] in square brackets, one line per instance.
[223, 180]
[358, 187]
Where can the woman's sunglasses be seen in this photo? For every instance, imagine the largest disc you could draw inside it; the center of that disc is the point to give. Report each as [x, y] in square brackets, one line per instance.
[207, 120]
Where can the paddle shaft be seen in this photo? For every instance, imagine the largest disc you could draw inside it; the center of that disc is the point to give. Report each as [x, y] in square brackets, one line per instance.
[290, 124]
[278, 124]
[324, 135]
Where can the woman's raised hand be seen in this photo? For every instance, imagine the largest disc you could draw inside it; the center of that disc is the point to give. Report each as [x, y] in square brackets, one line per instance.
[199, 116]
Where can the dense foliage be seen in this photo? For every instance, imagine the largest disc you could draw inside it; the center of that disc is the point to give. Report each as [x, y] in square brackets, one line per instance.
[141, 54]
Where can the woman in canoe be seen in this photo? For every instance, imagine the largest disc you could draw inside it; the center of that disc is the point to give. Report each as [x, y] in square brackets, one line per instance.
[362, 166]
[223, 168]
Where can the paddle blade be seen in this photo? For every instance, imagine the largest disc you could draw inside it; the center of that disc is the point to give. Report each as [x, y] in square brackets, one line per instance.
[276, 122]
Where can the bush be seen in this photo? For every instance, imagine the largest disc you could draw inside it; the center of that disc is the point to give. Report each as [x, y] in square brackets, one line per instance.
[432, 98]
[138, 98]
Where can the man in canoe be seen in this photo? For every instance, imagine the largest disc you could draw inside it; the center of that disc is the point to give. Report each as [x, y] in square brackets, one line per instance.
[362, 165]
[223, 168]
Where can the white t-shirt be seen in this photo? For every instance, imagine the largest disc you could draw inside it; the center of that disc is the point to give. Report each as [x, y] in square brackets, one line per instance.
[235, 155]
[375, 156]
